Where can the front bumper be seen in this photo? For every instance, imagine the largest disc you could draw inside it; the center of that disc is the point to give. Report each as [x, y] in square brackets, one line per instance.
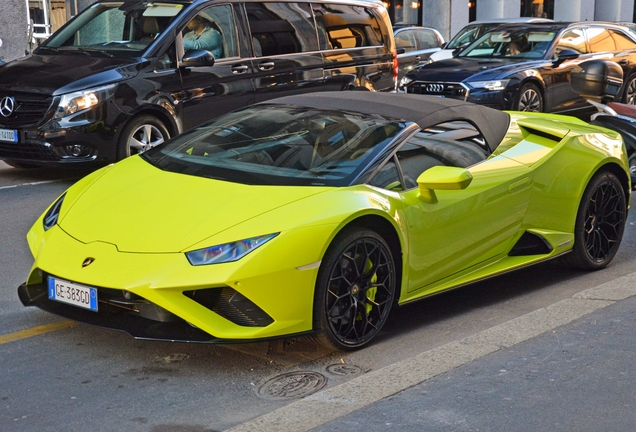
[88, 139]
[161, 296]
[498, 99]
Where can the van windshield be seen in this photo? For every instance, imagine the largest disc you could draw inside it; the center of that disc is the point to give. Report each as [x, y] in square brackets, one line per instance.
[115, 28]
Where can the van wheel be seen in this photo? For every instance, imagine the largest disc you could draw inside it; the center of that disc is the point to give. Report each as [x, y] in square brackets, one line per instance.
[529, 99]
[629, 97]
[141, 134]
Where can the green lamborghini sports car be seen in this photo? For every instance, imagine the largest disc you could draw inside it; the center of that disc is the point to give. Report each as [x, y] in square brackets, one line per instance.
[321, 213]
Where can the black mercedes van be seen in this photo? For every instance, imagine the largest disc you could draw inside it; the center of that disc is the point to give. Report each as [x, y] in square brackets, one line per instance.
[123, 76]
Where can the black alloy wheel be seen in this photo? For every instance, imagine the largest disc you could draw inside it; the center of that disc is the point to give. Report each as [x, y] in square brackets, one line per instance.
[355, 290]
[529, 99]
[600, 223]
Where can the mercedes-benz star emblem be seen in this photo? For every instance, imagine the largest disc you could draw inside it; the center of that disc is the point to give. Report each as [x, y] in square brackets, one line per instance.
[435, 88]
[88, 261]
[7, 105]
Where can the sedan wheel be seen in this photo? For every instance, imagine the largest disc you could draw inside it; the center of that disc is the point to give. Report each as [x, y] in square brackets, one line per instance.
[355, 290]
[630, 91]
[529, 99]
[600, 223]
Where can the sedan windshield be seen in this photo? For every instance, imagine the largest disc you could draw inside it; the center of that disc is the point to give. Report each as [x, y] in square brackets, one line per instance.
[516, 44]
[114, 28]
[279, 145]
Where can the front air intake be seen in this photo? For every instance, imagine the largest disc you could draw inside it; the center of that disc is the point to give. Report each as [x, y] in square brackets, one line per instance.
[231, 305]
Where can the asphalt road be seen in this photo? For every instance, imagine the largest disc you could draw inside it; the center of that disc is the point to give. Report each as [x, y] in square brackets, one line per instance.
[58, 376]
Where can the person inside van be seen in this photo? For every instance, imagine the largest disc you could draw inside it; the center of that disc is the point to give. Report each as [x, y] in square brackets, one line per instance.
[203, 36]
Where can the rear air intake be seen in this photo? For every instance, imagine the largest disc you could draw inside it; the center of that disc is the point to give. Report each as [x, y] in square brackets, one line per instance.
[531, 244]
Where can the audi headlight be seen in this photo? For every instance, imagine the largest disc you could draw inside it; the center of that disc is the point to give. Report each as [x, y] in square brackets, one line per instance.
[405, 81]
[75, 102]
[50, 218]
[490, 85]
[227, 252]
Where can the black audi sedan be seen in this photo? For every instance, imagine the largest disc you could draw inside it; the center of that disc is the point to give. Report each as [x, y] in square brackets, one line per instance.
[526, 67]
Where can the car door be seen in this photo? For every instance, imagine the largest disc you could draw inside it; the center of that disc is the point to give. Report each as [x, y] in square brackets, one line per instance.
[562, 97]
[209, 91]
[465, 228]
[626, 58]
[286, 59]
[408, 56]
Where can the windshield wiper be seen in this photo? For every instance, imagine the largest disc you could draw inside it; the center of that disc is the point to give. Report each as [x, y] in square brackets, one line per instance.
[54, 49]
[93, 50]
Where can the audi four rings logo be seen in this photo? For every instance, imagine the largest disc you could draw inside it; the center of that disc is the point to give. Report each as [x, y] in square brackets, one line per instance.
[435, 88]
[7, 105]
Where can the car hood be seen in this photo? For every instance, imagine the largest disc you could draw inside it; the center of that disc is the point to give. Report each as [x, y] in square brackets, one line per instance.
[63, 73]
[458, 69]
[140, 208]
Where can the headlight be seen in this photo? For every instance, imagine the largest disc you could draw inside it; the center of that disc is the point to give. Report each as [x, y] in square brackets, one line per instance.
[75, 102]
[490, 85]
[227, 252]
[405, 81]
[50, 218]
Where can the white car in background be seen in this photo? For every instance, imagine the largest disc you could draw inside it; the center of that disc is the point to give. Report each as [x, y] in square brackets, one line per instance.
[474, 30]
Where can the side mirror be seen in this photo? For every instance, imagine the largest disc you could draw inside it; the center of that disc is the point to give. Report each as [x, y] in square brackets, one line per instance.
[566, 54]
[193, 58]
[442, 178]
[401, 50]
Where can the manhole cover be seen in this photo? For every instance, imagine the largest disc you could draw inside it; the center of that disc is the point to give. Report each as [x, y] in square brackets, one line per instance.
[292, 385]
[344, 369]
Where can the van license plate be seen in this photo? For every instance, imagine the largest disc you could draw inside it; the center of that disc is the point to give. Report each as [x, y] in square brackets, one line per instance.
[73, 294]
[9, 135]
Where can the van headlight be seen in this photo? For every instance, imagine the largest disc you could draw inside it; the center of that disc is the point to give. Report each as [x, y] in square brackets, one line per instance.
[79, 101]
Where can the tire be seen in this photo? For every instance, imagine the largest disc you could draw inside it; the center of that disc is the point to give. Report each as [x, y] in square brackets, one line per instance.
[632, 168]
[629, 95]
[355, 290]
[529, 98]
[20, 165]
[600, 223]
[141, 134]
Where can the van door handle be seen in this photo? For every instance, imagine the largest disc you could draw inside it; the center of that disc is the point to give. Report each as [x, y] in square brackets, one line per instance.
[239, 69]
[623, 62]
[418, 58]
[266, 66]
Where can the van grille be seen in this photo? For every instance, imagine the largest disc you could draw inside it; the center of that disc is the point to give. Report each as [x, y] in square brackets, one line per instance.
[30, 109]
[27, 151]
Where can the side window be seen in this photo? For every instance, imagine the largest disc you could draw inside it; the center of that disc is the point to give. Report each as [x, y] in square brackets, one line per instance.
[600, 40]
[406, 40]
[281, 28]
[212, 29]
[573, 39]
[387, 177]
[427, 39]
[346, 26]
[622, 42]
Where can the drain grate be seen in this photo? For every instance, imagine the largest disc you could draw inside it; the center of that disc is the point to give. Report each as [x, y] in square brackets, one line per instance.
[344, 369]
[292, 385]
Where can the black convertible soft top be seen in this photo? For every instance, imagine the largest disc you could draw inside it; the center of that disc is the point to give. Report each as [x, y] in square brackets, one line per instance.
[426, 111]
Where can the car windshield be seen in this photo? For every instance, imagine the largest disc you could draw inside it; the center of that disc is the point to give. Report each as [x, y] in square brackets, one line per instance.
[516, 44]
[279, 145]
[468, 34]
[114, 28]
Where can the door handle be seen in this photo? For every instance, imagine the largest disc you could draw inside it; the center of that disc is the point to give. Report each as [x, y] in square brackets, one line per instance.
[264, 66]
[239, 69]
[623, 62]
[418, 58]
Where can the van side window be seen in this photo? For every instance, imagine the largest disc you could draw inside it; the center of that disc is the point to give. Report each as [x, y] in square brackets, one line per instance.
[212, 29]
[281, 28]
[346, 26]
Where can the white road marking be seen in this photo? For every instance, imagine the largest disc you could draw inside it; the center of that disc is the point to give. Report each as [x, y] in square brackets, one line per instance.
[340, 400]
[31, 184]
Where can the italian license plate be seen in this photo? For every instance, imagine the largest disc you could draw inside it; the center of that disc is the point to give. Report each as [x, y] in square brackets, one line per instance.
[9, 135]
[73, 294]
